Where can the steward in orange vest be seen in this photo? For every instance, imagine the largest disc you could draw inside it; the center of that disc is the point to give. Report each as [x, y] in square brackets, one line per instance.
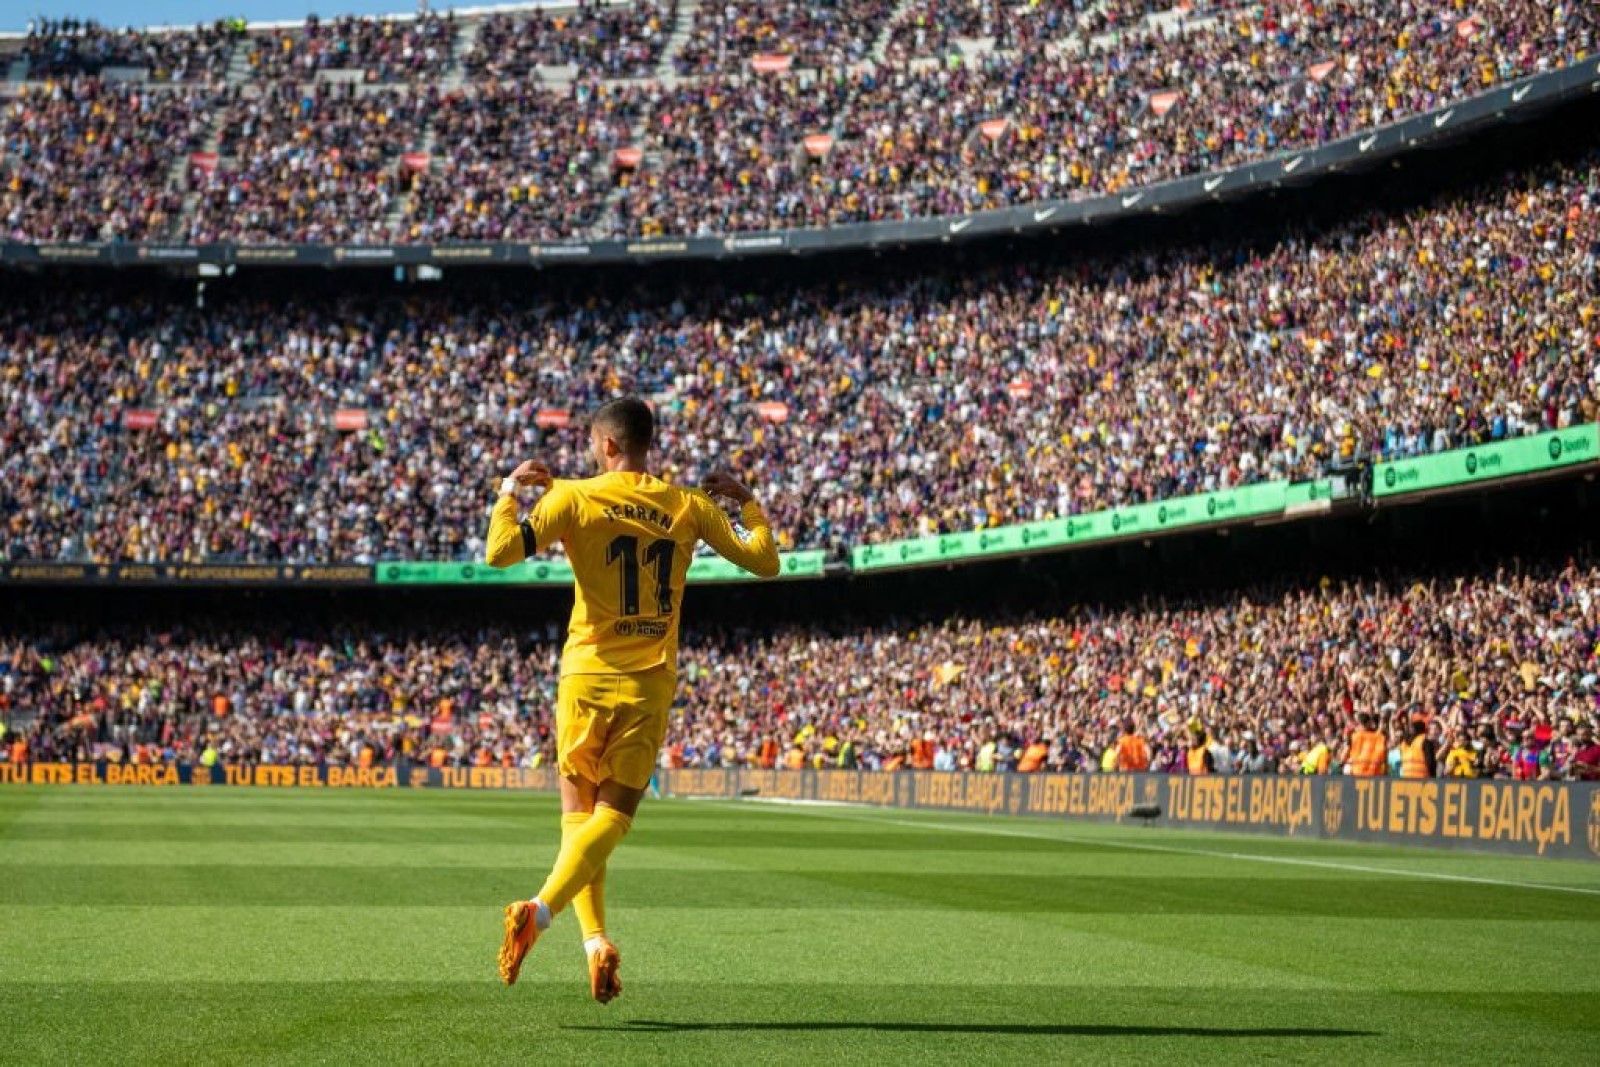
[1419, 755]
[1368, 749]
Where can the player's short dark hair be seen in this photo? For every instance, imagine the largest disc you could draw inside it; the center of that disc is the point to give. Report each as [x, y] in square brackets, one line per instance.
[629, 421]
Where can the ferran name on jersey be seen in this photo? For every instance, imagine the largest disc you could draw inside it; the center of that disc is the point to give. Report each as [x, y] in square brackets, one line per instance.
[619, 512]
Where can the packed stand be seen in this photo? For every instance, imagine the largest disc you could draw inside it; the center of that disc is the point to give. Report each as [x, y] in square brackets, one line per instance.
[63, 48]
[930, 29]
[601, 40]
[905, 139]
[519, 162]
[1249, 82]
[818, 34]
[910, 405]
[726, 155]
[303, 162]
[1112, 17]
[65, 381]
[87, 160]
[1501, 671]
[384, 49]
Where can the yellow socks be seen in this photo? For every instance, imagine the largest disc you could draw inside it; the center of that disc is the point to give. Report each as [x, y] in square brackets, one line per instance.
[583, 856]
[590, 903]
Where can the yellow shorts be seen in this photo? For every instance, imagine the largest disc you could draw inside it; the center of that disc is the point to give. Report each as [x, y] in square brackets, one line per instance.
[612, 725]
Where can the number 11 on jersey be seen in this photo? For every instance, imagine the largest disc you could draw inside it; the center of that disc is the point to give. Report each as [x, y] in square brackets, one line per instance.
[657, 556]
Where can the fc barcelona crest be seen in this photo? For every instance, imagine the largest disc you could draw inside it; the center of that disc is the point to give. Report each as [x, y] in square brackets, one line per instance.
[1333, 809]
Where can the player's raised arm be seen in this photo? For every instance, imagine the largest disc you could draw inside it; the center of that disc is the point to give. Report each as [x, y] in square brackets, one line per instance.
[511, 541]
[759, 555]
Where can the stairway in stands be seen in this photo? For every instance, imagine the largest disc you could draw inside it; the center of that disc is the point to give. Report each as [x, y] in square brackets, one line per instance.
[666, 72]
[239, 63]
[454, 77]
[235, 77]
[881, 45]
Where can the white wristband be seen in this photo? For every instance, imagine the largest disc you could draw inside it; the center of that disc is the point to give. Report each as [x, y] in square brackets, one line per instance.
[508, 485]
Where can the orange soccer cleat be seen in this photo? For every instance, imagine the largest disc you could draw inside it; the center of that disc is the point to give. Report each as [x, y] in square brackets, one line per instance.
[604, 982]
[521, 932]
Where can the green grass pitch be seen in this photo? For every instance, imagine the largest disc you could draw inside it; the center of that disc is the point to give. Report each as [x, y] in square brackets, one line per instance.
[241, 926]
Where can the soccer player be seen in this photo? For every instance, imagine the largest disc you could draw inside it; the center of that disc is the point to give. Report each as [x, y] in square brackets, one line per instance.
[629, 537]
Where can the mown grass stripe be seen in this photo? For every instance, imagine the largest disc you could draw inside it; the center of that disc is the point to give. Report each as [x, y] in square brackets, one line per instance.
[650, 836]
[1069, 840]
[534, 852]
[777, 1022]
[404, 885]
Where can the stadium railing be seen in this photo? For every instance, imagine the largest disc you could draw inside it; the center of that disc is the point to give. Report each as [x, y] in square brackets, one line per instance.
[1402, 481]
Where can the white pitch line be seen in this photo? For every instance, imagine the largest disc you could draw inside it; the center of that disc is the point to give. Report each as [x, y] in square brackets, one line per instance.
[866, 816]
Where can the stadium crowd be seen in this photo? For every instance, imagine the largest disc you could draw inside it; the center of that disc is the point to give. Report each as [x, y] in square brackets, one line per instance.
[60, 436]
[519, 161]
[86, 160]
[601, 40]
[385, 50]
[1500, 670]
[907, 404]
[62, 48]
[726, 155]
[909, 138]
[813, 33]
[308, 163]
[931, 29]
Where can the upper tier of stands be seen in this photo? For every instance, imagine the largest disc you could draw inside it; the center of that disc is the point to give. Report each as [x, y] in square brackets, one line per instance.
[650, 119]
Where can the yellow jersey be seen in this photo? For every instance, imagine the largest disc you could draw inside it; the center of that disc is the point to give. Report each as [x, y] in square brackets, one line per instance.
[630, 538]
